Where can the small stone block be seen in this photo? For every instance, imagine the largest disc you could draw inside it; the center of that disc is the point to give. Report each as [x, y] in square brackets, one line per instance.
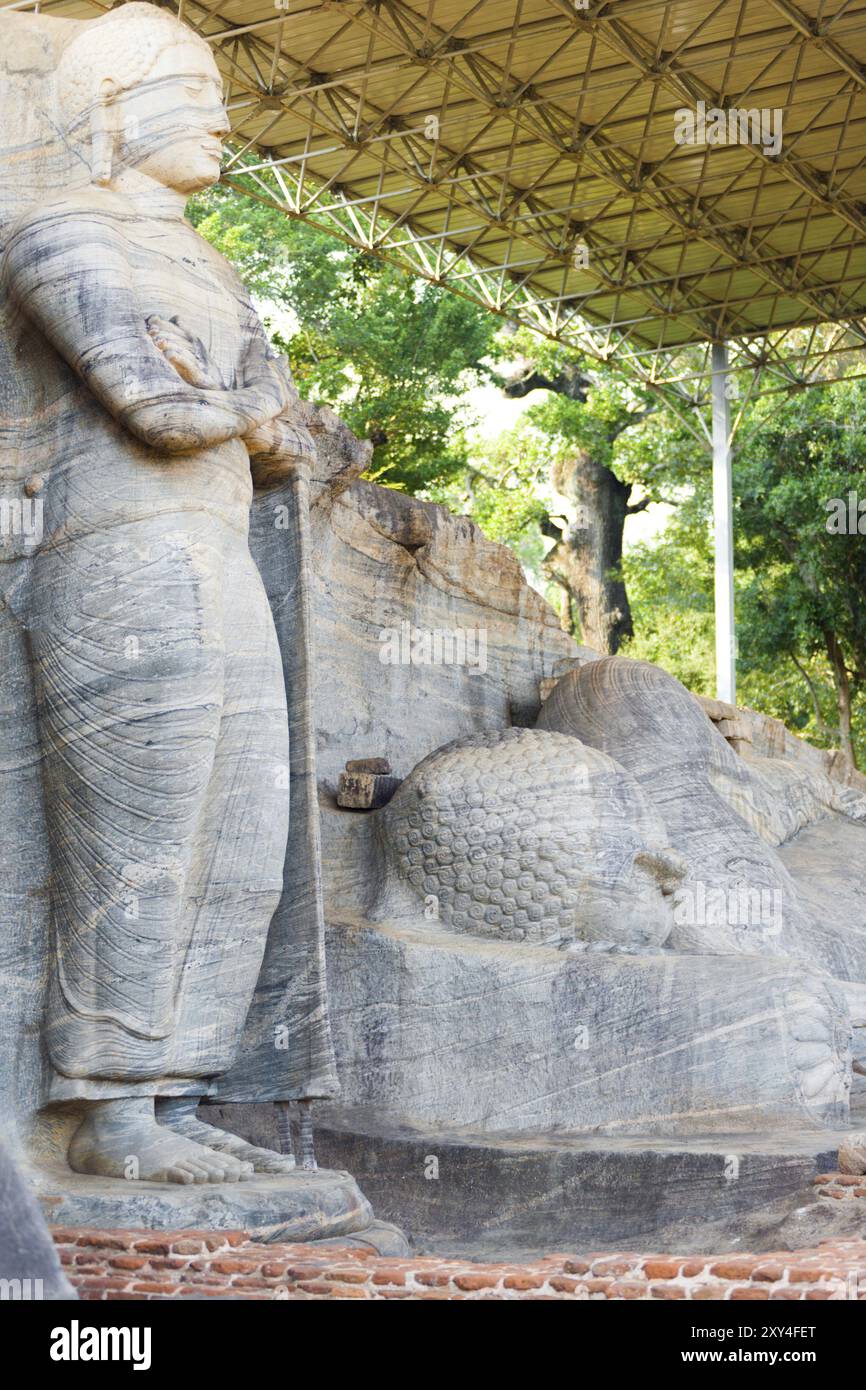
[365, 791]
[381, 766]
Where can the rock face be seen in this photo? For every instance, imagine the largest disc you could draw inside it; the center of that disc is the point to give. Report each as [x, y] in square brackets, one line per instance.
[726, 816]
[425, 630]
[442, 1014]
[161, 923]
[29, 1267]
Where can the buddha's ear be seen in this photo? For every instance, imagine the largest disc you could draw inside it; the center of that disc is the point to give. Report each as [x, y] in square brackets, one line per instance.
[101, 132]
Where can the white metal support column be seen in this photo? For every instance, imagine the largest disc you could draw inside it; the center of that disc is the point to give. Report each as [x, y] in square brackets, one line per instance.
[723, 514]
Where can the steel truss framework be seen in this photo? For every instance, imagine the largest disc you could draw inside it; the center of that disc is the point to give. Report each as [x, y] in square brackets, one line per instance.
[524, 154]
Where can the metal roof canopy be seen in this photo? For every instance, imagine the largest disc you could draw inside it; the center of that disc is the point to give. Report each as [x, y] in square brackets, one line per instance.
[524, 153]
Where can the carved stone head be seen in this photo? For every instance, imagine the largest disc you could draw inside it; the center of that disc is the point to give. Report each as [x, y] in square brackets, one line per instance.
[137, 89]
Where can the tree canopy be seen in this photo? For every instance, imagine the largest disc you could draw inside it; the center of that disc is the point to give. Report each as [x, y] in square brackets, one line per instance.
[395, 356]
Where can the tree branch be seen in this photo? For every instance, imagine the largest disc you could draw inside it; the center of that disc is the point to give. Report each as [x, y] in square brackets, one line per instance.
[819, 718]
[570, 382]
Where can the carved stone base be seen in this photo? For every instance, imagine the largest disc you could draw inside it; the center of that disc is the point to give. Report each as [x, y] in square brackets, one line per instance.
[513, 1196]
[300, 1206]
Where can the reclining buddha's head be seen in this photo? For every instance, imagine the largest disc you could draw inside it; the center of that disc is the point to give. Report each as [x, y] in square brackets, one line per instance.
[137, 89]
[531, 836]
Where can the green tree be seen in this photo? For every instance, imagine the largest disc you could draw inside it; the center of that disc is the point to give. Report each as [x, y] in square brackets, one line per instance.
[798, 483]
[601, 451]
[394, 355]
[800, 570]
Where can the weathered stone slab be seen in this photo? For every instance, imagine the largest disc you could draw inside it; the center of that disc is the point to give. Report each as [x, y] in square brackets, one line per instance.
[515, 1194]
[448, 1031]
[297, 1206]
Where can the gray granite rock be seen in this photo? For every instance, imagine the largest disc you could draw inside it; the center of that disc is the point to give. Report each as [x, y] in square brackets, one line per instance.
[164, 929]
[29, 1266]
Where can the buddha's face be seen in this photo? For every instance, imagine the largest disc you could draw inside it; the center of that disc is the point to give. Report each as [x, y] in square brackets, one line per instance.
[171, 127]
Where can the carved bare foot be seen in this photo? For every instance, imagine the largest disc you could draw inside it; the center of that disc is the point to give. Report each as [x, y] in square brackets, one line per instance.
[121, 1139]
[178, 1115]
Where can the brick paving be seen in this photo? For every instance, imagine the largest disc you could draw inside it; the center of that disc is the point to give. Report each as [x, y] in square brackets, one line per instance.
[138, 1264]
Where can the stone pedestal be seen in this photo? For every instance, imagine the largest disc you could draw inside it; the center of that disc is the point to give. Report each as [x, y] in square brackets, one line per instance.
[301, 1206]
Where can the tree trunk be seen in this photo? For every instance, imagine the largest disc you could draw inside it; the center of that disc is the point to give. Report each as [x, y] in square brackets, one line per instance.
[842, 683]
[587, 561]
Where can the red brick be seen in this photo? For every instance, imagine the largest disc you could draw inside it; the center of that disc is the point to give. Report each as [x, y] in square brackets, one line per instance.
[667, 1291]
[102, 1281]
[523, 1281]
[472, 1282]
[662, 1269]
[748, 1294]
[188, 1247]
[309, 1271]
[232, 1265]
[346, 1276]
[390, 1274]
[153, 1245]
[562, 1285]
[733, 1268]
[104, 1241]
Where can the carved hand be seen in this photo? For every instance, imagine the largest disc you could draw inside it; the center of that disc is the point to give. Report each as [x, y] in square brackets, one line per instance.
[277, 447]
[263, 371]
[186, 353]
